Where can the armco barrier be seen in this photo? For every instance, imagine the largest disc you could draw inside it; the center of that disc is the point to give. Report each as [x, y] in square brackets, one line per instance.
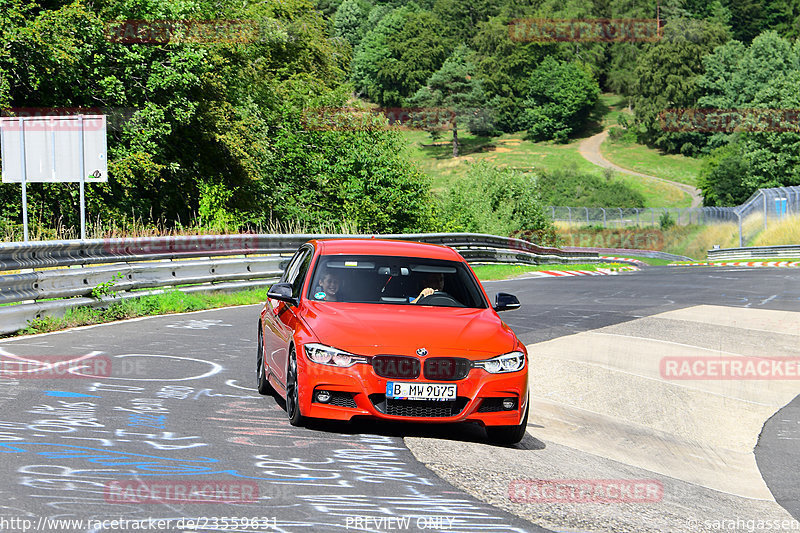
[654, 254]
[791, 250]
[69, 271]
[14, 256]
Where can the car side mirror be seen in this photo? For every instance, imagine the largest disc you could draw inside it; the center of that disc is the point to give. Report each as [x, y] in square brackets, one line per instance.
[505, 302]
[282, 292]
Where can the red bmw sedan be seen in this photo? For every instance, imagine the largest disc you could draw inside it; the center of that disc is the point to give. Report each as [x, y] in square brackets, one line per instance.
[391, 330]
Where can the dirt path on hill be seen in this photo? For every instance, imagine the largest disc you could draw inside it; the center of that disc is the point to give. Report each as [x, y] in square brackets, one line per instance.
[590, 150]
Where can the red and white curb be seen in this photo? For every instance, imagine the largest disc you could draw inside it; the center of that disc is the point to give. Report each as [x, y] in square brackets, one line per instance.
[571, 273]
[625, 259]
[747, 263]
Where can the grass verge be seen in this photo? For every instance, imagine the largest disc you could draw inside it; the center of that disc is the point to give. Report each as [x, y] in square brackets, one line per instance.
[653, 162]
[652, 261]
[744, 260]
[493, 272]
[513, 151]
[157, 304]
[508, 150]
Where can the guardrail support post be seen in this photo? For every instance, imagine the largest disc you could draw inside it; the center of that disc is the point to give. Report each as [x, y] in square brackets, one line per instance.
[604, 216]
[83, 181]
[24, 178]
[741, 241]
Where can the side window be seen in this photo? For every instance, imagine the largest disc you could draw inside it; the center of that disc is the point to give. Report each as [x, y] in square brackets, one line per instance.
[302, 272]
[291, 269]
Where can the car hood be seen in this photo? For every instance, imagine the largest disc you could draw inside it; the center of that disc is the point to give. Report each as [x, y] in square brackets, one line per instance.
[371, 329]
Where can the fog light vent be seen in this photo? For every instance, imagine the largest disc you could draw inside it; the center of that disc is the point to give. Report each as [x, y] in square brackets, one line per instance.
[323, 396]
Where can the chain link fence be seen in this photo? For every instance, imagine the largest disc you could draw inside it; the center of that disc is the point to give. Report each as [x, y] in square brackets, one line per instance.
[751, 217]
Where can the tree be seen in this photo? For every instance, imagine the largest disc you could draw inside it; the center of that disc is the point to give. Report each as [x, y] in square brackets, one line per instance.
[762, 76]
[455, 88]
[747, 18]
[559, 99]
[667, 77]
[394, 59]
[722, 177]
[214, 127]
[504, 66]
[348, 23]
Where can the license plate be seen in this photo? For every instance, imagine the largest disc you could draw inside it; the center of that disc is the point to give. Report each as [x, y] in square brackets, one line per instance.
[420, 391]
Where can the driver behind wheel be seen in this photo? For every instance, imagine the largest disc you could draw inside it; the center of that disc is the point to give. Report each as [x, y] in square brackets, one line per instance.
[431, 282]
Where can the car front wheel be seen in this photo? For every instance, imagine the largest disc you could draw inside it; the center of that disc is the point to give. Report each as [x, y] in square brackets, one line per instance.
[293, 392]
[507, 435]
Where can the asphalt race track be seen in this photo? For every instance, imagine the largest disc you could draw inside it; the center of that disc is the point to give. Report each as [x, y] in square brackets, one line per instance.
[585, 303]
[168, 403]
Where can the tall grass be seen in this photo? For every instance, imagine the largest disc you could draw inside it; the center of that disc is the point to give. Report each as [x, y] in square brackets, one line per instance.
[697, 243]
[692, 241]
[786, 231]
[39, 230]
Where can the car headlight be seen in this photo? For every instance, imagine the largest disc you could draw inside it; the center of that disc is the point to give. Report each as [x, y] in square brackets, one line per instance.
[327, 355]
[510, 362]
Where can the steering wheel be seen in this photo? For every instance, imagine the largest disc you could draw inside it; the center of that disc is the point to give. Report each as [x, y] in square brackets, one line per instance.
[441, 299]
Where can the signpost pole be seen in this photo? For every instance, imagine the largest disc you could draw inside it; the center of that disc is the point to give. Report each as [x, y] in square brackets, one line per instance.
[24, 179]
[83, 179]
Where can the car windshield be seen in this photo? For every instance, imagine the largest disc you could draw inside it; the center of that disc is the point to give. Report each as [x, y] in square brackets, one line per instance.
[395, 280]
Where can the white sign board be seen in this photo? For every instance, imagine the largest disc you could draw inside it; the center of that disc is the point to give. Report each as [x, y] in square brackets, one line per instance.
[52, 148]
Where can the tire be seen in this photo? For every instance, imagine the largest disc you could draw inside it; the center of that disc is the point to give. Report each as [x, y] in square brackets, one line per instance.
[507, 435]
[262, 383]
[293, 392]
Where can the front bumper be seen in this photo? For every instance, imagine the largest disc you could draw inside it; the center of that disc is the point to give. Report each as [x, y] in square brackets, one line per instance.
[358, 392]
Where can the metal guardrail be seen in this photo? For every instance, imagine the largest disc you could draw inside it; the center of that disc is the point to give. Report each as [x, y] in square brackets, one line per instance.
[791, 250]
[69, 271]
[87, 252]
[654, 254]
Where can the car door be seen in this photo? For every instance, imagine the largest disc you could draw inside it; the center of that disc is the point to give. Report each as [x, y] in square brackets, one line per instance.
[283, 316]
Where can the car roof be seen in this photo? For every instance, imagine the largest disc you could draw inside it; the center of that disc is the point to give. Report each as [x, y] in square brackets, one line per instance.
[374, 246]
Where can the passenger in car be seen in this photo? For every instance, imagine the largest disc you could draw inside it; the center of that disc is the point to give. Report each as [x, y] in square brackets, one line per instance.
[329, 287]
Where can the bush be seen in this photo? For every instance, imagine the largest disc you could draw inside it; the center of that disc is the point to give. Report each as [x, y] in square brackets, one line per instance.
[493, 200]
[665, 221]
[560, 97]
[568, 187]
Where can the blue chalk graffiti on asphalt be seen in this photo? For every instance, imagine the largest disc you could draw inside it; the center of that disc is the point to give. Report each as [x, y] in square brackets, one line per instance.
[65, 394]
[145, 465]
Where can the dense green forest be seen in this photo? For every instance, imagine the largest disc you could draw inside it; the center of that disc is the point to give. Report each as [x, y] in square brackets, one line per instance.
[221, 137]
